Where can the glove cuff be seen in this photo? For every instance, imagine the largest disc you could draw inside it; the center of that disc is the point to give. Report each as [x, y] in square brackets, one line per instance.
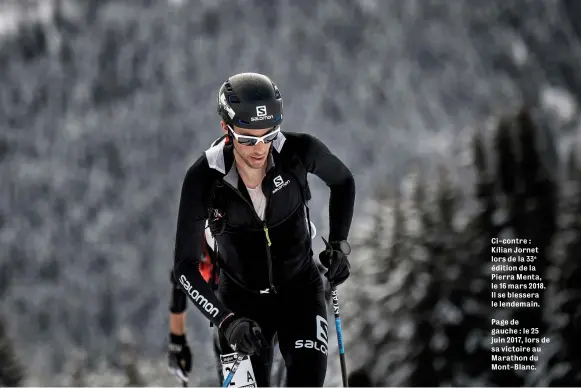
[336, 245]
[226, 321]
[177, 339]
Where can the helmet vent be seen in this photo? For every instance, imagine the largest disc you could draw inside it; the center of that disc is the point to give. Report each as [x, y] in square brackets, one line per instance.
[233, 99]
[228, 87]
[276, 94]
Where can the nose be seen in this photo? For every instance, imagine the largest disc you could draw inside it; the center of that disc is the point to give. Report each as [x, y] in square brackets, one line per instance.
[261, 147]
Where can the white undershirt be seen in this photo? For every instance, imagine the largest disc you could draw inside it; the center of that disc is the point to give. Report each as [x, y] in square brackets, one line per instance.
[258, 200]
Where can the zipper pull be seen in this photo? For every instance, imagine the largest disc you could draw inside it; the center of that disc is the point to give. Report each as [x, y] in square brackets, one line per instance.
[267, 235]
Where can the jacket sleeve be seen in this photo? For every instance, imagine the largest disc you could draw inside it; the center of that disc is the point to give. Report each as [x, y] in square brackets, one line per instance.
[188, 244]
[320, 161]
[178, 299]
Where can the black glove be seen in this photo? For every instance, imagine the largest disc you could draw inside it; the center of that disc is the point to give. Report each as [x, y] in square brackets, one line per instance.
[243, 335]
[179, 357]
[337, 263]
[326, 284]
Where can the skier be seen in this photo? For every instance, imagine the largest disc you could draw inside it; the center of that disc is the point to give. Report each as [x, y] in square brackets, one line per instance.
[254, 193]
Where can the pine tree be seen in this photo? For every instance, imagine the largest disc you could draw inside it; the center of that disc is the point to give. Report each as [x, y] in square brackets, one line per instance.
[429, 276]
[11, 371]
[392, 326]
[433, 277]
[564, 328]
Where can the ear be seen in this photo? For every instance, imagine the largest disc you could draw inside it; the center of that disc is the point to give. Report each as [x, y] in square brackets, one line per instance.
[224, 127]
[226, 131]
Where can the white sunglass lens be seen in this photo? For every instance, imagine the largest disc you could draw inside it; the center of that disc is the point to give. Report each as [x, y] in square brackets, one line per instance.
[253, 140]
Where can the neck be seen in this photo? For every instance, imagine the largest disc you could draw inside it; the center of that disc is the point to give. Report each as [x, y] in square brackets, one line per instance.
[250, 176]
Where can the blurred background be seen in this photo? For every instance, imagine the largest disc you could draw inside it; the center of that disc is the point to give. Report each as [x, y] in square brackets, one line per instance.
[459, 120]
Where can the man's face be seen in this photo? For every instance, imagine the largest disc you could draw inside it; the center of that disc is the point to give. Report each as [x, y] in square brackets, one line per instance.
[253, 156]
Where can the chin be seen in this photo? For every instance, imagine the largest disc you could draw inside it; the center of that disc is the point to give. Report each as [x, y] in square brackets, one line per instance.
[256, 164]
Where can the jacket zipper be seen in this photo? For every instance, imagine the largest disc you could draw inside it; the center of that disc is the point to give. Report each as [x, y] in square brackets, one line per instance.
[267, 236]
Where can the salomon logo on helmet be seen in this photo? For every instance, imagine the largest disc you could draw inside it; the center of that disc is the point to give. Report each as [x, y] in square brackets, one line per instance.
[261, 110]
[261, 114]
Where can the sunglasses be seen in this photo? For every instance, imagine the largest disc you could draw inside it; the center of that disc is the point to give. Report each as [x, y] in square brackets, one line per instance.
[254, 140]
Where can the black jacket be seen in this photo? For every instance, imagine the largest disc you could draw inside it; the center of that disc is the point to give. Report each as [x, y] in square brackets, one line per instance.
[259, 255]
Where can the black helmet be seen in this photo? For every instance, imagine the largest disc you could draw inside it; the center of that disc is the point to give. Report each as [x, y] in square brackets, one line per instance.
[251, 101]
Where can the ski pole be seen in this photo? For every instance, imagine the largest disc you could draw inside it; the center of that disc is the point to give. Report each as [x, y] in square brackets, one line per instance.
[335, 298]
[233, 370]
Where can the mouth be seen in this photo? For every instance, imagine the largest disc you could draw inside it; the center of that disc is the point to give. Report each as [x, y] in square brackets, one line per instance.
[258, 157]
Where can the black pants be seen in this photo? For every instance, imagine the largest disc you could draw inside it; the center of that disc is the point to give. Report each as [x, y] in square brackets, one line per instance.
[298, 314]
[217, 353]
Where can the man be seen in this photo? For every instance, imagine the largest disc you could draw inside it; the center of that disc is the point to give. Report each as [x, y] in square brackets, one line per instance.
[254, 191]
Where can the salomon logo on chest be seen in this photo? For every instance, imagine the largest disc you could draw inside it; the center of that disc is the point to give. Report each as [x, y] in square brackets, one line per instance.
[279, 183]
